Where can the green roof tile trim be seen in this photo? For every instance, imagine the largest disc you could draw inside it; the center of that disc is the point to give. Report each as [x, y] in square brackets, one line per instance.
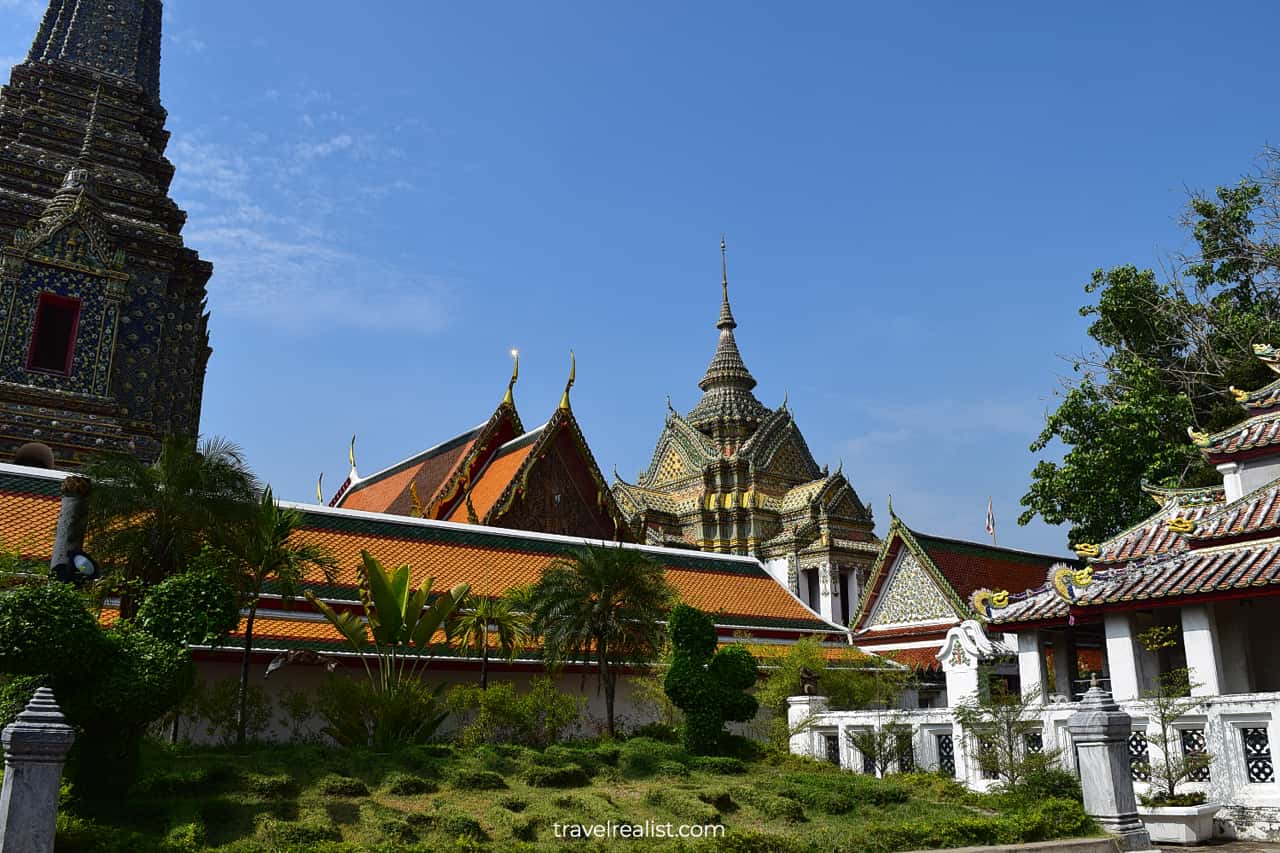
[475, 537]
[19, 485]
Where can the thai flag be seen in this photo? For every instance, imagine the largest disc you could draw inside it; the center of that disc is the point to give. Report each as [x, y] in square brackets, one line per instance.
[991, 519]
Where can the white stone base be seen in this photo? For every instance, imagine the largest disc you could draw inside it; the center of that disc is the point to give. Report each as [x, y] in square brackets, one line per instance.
[1179, 824]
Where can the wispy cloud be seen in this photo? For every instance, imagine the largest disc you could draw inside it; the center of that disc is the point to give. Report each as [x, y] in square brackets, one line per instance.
[279, 217]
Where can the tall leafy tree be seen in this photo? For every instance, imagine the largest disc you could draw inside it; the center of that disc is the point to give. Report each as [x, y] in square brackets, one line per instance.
[148, 521]
[601, 606]
[1164, 352]
[479, 620]
[269, 552]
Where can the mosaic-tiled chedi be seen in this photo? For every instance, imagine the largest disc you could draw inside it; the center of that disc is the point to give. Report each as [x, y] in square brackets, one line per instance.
[103, 330]
[736, 477]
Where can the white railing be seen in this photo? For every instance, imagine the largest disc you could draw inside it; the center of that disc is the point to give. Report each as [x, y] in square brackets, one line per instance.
[1241, 732]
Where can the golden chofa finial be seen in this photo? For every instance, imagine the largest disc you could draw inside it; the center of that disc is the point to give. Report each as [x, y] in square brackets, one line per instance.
[351, 453]
[320, 489]
[573, 373]
[510, 399]
[1239, 395]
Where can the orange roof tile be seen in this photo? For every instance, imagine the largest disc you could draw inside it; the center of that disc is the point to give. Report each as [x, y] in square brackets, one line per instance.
[27, 523]
[494, 481]
[388, 491]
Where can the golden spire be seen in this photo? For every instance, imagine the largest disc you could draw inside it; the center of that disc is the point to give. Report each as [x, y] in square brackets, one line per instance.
[573, 372]
[510, 399]
[320, 489]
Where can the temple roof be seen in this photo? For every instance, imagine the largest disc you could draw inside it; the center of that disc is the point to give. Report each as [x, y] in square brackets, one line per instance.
[1256, 433]
[958, 568]
[120, 38]
[492, 560]
[427, 471]
[498, 474]
[1153, 536]
[727, 383]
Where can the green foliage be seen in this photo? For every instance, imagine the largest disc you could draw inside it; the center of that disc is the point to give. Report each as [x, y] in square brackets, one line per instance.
[641, 757]
[1042, 777]
[683, 805]
[886, 743]
[287, 832]
[150, 521]
[271, 786]
[718, 764]
[1165, 703]
[1160, 798]
[191, 608]
[218, 706]
[850, 680]
[770, 806]
[1164, 355]
[854, 787]
[334, 785]
[299, 709]
[479, 619]
[361, 713]
[468, 779]
[32, 614]
[500, 714]
[998, 727]
[601, 606]
[708, 685]
[408, 785]
[568, 776]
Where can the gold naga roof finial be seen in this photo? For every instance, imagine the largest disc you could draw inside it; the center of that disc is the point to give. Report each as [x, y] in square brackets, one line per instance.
[320, 489]
[418, 511]
[1239, 395]
[573, 373]
[510, 399]
[670, 408]
[351, 454]
[892, 514]
[1199, 439]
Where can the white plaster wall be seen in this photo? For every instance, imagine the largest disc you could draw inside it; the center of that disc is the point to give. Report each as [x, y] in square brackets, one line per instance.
[777, 569]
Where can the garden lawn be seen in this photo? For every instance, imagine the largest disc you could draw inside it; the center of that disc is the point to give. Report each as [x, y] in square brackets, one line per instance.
[317, 798]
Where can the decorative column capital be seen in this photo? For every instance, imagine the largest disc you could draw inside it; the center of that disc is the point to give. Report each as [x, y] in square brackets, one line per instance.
[38, 735]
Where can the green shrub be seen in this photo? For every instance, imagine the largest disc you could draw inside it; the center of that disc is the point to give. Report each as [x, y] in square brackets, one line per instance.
[639, 757]
[218, 704]
[608, 753]
[525, 827]
[856, 786]
[682, 804]
[187, 838]
[286, 832]
[1041, 779]
[569, 776]
[770, 806]
[1054, 817]
[357, 714]
[198, 607]
[179, 783]
[719, 798]
[513, 803]
[934, 786]
[407, 785]
[276, 786]
[334, 785]
[671, 769]
[825, 800]
[718, 764]
[709, 685]
[500, 715]
[467, 779]
[456, 825]
[748, 841]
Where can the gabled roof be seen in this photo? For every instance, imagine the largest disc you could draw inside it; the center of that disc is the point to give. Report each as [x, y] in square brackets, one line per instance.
[1256, 433]
[693, 449]
[491, 560]
[1153, 536]
[776, 431]
[957, 568]
[502, 469]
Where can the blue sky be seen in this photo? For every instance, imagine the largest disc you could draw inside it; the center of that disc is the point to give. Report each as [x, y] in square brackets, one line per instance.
[394, 196]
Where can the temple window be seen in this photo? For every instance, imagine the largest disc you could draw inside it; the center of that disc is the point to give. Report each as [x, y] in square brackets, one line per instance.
[54, 334]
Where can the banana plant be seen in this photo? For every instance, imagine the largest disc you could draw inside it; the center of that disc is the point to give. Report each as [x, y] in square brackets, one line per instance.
[398, 622]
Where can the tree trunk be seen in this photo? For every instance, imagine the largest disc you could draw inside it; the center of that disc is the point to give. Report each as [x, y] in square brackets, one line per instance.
[484, 666]
[241, 721]
[610, 685]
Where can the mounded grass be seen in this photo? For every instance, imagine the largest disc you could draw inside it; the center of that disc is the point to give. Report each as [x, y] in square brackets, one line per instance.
[500, 798]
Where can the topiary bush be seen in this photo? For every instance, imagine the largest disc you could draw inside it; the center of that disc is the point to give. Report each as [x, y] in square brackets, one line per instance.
[640, 757]
[342, 786]
[407, 785]
[568, 776]
[770, 806]
[270, 787]
[198, 607]
[682, 804]
[718, 764]
[290, 832]
[468, 779]
[708, 685]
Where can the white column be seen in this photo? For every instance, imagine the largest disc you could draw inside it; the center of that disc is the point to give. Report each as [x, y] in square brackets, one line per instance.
[1200, 640]
[1031, 666]
[801, 717]
[1121, 659]
[828, 593]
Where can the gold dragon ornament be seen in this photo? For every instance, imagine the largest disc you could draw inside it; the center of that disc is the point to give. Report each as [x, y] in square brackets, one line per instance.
[983, 601]
[1182, 525]
[1065, 580]
[1087, 550]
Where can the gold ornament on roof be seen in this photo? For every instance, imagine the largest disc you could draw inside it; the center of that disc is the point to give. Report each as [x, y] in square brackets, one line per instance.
[351, 453]
[983, 601]
[1240, 396]
[573, 372]
[1182, 525]
[1066, 579]
[1087, 549]
[320, 489]
[510, 399]
[1199, 439]
[418, 511]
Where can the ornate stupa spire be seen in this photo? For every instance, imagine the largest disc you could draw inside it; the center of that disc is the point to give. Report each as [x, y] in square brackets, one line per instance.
[116, 37]
[727, 409]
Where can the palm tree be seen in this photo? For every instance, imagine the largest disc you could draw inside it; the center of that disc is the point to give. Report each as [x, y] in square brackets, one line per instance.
[601, 605]
[480, 617]
[148, 520]
[266, 553]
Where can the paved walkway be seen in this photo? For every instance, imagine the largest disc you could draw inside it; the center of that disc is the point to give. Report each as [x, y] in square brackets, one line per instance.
[1238, 847]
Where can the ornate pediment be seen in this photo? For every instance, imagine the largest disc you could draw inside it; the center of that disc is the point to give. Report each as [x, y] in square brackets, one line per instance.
[71, 234]
[682, 452]
[910, 594]
[778, 448]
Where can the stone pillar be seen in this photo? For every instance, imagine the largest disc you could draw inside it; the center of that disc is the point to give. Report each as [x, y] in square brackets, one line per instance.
[1100, 731]
[35, 745]
[1122, 659]
[1200, 640]
[73, 519]
[1031, 672]
[800, 713]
